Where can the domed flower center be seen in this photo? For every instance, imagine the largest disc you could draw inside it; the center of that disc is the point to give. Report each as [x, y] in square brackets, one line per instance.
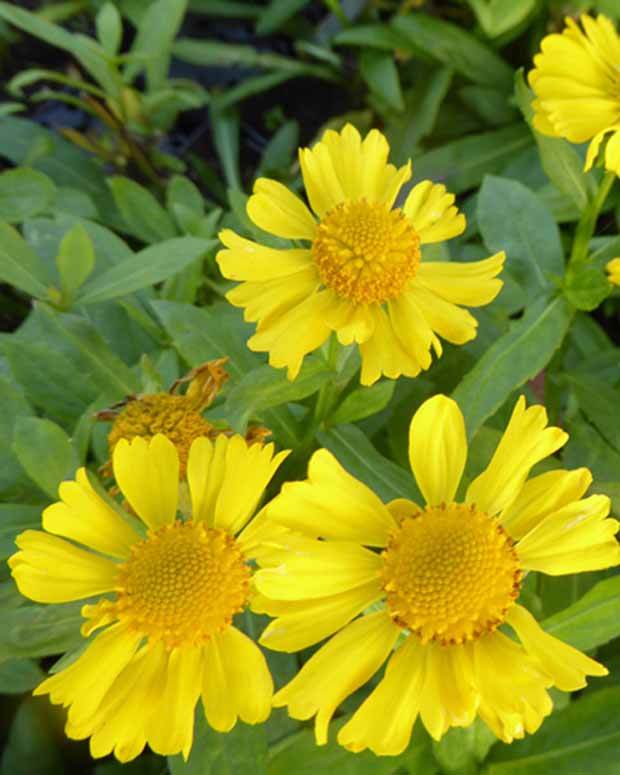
[172, 415]
[450, 574]
[183, 584]
[365, 252]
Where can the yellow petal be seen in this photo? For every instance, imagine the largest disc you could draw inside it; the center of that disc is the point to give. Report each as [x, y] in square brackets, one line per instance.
[438, 449]
[84, 517]
[526, 441]
[227, 479]
[278, 211]
[332, 504]
[542, 495]
[237, 682]
[147, 473]
[315, 569]
[351, 322]
[51, 570]
[384, 721]
[170, 727]
[565, 665]
[261, 538]
[337, 669]
[248, 260]
[613, 270]
[431, 210]
[453, 323]
[411, 329]
[576, 538]
[473, 284]
[383, 353]
[612, 152]
[302, 623]
[323, 187]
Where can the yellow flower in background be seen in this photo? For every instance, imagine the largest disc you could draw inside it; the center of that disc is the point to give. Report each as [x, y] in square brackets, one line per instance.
[576, 80]
[613, 271]
[447, 577]
[168, 592]
[360, 273]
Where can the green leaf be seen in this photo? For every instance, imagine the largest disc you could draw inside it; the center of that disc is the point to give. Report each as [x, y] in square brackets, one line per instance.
[586, 286]
[599, 402]
[586, 447]
[24, 192]
[40, 630]
[582, 738]
[184, 202]
[13, 405]
[356, 453]
[593, 620]
[514, 358]
[277, 13]
[463, 163]
[15, 517]
[514, 219]
[226, 138]
[75, 260]
[19, 675]
[497, 17]
[149, 266]
[280, 150]
[265, 387]
[363, 402]
[109, 29]
[371, 35]
[453, 46]
[380, 73]
[144, 216]
[19, 265]
[45, 452]
[31, 748]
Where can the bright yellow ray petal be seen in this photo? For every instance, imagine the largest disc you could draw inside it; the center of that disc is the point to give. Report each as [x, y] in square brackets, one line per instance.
[248, 260]
[278, 211]
[351, 322]
[206, 468]
[323, 188]
[337, 669]
[332, 504]
[576, 538]
[300, 624]
[612, 152]
[218, 702]
[260, 539]
[411, 329]
[51, 570]
[84, 517]
[542, 495]
[526, 441]
[315, 569]
[453, 323]
[384, 721]
[438, 449]
[147, 473]
[431, 210]
[565, 665]
[383, 353]
[473, 284]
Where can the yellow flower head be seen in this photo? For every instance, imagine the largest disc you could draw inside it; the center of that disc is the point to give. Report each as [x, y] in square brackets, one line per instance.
[361, 272]
[447, 576]
[577, 82]
[168, 590]
[613, 271]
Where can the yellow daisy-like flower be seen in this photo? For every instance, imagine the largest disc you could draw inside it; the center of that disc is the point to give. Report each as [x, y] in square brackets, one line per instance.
[361, 273]
[169, 588]
[447, 577]
[613, 271]
[576, 80]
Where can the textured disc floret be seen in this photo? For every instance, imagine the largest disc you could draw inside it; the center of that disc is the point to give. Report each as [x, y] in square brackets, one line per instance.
[450, 574]
[183, 584]
[366, 252]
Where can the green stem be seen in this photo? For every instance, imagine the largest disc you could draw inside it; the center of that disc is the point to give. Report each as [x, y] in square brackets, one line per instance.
[587, 222]
[335, 7]
[326, 393]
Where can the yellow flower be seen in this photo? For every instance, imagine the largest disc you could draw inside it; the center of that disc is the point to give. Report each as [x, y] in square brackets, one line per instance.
[169, 590]
[577, 82]
[447, 577]
[361, 273]
[613, 271]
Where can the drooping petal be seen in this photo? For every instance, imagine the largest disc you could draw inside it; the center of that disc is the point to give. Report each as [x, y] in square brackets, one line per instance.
[383, 353]
[384, 721]
[565, 665]
[278, 211]
[438, 449]
[411, 329]
[351, 322]
[147, 473]
[576, 538]
[245, 260]
[473, 283]
[84, 517]
[302, 623]
[542, 495]
[48, 569]
[431, 210]
[337, 669]
[332, 504]
[526, 441]
[452, 323]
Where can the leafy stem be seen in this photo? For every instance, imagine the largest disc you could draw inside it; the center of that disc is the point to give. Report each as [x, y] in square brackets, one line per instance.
[587, 222]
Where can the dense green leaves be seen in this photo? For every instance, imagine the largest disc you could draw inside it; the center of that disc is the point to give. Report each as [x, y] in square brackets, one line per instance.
[45, 453]
[24, 192]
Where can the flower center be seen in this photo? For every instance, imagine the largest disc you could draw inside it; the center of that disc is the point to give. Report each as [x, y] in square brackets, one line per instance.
[183, 584]
[450, 574]
[365, 252]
